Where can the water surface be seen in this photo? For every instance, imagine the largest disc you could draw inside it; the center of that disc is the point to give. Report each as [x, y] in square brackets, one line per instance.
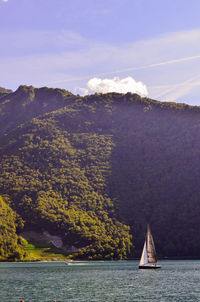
[177, 281]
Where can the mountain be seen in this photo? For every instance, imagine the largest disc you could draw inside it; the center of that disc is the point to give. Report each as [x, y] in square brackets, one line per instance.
[27, 102]
[88, 173]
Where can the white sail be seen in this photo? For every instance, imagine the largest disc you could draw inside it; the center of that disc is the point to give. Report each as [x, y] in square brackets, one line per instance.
[148, 258]
[144, 259]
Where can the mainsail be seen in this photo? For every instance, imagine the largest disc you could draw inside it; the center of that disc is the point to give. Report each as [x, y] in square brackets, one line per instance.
[149, 252]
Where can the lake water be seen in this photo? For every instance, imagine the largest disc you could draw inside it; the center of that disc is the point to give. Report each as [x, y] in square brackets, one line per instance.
[176, 281]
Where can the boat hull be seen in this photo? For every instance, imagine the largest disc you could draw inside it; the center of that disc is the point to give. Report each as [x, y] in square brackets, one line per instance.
[149, 266]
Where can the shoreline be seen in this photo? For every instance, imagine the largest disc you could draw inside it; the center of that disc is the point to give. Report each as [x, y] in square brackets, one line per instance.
[85, 260]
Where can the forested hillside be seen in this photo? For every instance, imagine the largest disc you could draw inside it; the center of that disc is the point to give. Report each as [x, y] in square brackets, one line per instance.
[10, 243]
[95, 170]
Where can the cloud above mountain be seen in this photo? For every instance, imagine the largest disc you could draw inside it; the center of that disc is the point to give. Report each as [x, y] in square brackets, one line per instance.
[166, 63]
[115, 84]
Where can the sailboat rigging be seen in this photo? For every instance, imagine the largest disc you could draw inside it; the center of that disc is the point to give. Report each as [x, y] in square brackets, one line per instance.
[149, 258]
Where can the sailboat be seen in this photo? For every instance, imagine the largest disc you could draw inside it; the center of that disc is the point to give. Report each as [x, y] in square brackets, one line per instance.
[148, 259]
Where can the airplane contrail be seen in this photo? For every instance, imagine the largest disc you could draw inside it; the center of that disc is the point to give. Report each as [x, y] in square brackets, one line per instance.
[129, 69]
[161, 63]
[172, 92]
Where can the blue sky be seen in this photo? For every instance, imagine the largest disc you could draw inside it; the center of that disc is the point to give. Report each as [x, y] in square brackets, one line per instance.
[65, 43]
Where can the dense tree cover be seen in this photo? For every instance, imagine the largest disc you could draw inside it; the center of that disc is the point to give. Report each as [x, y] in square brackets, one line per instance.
[28, 102]
[10, 243]
[57, 182]
[98, 164]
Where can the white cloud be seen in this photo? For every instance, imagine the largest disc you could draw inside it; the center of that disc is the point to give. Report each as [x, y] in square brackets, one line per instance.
[163, 63]
[83, 91]
[4, 0]
[68, 60]
[117, 85]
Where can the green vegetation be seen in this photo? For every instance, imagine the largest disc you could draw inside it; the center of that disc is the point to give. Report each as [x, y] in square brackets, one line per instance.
[28, 102]
[10, 245]
[95, 170]
[37, 251]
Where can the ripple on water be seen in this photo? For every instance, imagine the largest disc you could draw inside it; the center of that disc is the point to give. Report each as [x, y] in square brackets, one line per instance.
[177, 281]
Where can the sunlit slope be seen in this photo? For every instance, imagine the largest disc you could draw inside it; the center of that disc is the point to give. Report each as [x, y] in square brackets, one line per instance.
[102, 163]
[10, 243]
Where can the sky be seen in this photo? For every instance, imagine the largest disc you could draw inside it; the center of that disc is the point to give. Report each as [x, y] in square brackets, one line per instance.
[151, 47]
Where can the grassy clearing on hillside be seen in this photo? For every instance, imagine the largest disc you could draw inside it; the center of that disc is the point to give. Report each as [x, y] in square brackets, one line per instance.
[37, 251]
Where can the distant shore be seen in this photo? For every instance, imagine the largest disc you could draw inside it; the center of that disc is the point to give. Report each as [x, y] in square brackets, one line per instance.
[87, 260]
